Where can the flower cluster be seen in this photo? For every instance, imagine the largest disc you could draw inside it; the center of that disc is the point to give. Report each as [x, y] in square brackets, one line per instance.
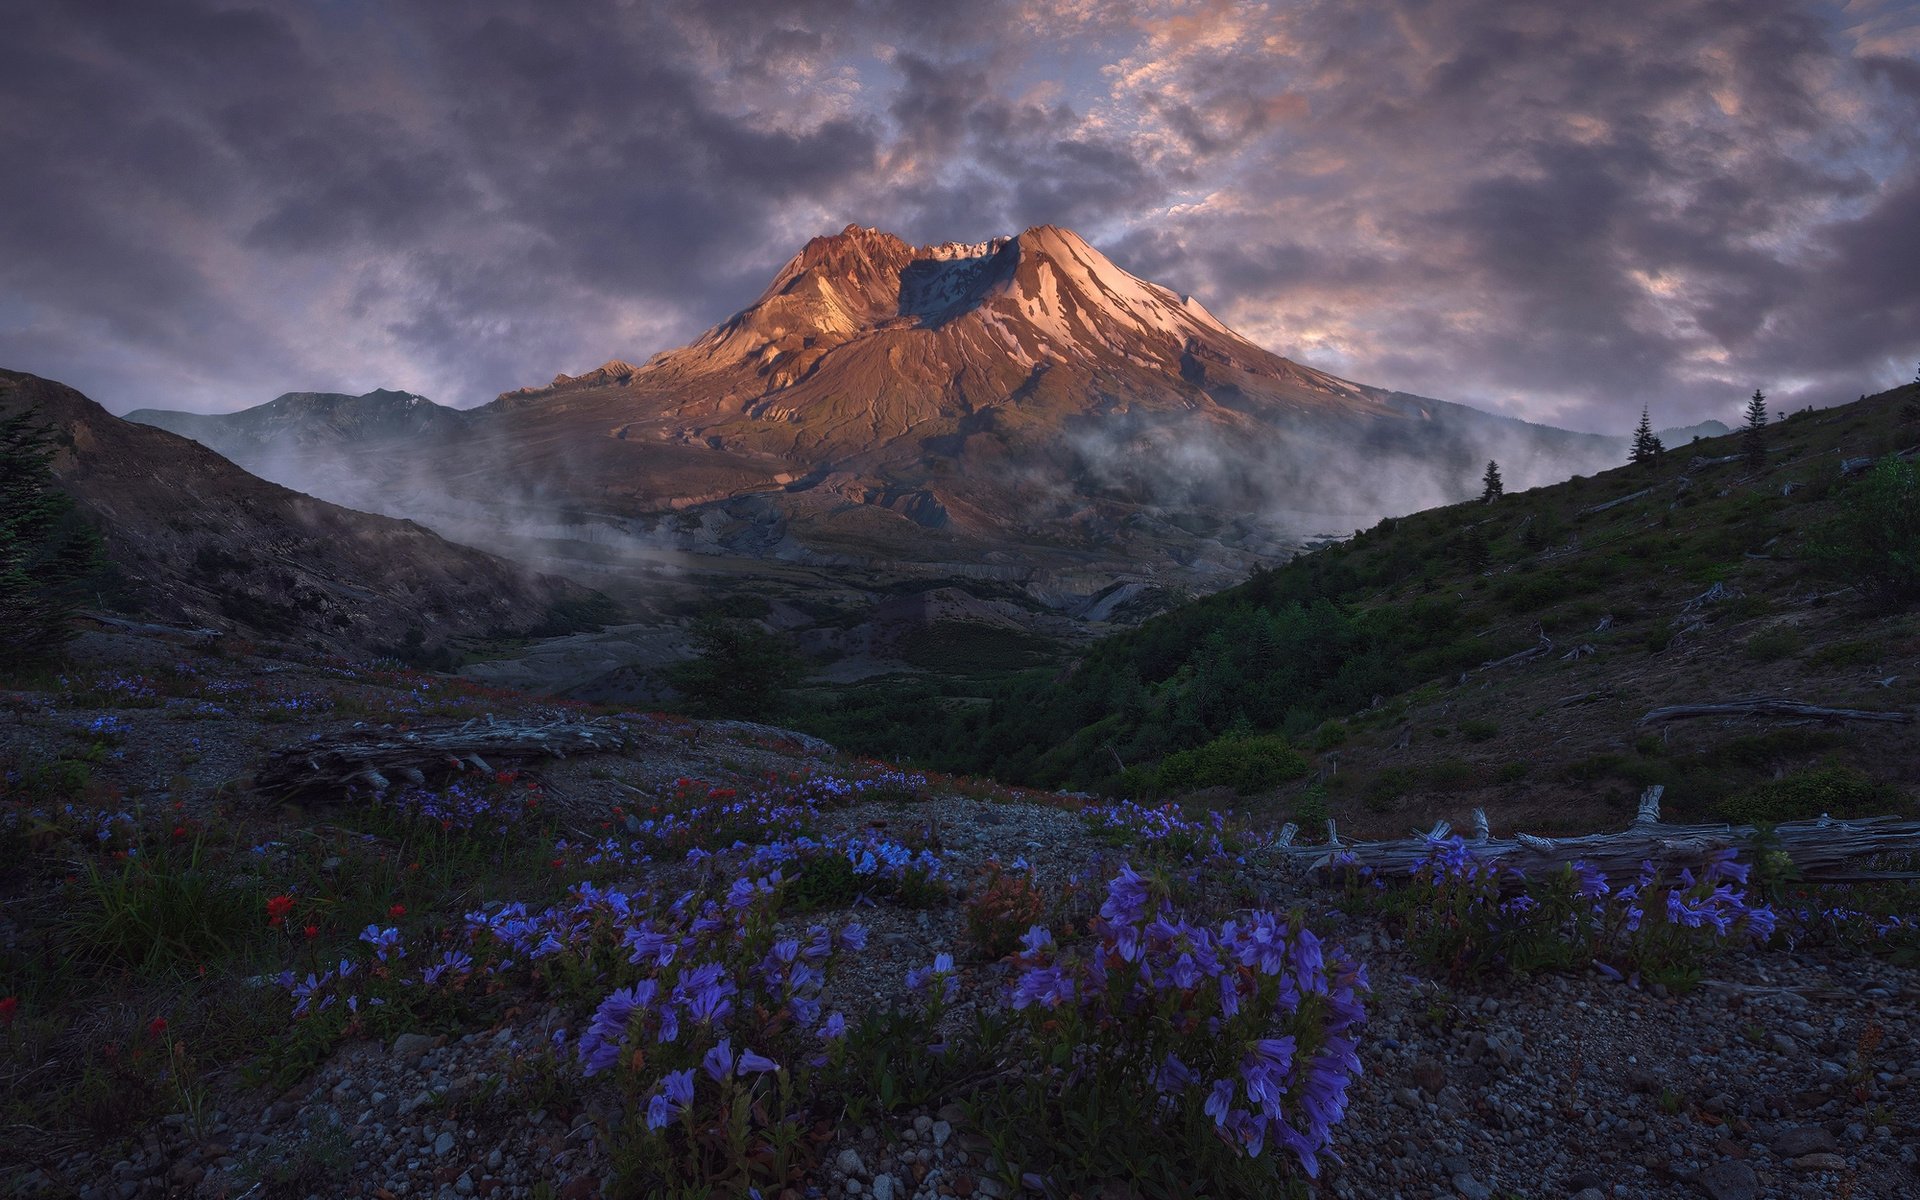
[1252, 1022]
[495, 803]
[1468, 914]
[1165, 832]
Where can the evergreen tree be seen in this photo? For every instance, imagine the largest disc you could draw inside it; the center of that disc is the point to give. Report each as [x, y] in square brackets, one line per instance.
[1753, 443]
[48, 553]
[1910, 411]
[740, 671]
[1491, 488]
[1643, 440]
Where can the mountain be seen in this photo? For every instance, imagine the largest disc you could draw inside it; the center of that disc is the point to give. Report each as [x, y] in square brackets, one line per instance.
[199, 540]
[1022, 404]
[311, 419]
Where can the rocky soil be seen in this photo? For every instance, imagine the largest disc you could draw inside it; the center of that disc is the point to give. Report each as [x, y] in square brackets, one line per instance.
[1785, 1074]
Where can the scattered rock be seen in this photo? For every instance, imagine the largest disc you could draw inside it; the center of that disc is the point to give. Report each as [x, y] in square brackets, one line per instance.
[1727, 1180]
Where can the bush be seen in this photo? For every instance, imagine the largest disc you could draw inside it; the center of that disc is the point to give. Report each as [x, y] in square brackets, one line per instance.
[1773, 645]
[1247, 764]
[1836, 790]
[1875, 542]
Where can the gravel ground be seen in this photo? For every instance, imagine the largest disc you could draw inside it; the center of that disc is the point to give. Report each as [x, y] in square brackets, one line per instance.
[1785, 1075]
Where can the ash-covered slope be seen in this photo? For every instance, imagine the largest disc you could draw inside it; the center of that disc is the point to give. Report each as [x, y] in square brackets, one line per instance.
[201, 540]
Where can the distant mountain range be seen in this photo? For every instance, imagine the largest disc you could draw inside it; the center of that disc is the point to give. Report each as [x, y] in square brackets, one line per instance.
[198, 540]
[1020, 404]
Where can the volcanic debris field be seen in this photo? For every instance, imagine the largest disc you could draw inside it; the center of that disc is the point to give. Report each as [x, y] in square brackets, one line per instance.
[717, 958]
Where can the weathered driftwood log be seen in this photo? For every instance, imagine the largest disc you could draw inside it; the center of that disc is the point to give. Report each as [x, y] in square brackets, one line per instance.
[1628, 499]
[1821, 850]
[372, 759]
[1543, 646]
[1697, 461]
[1771, 706]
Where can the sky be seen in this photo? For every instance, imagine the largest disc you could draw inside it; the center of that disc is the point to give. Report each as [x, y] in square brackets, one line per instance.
[1557, 211]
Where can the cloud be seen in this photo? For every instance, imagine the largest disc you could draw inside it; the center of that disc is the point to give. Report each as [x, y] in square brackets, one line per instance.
[1557, 211]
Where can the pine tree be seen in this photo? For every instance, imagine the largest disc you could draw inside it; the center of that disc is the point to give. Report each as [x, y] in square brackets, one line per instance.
[48, 553]
[1643, 440]
[1491, 488]
[1753, 443]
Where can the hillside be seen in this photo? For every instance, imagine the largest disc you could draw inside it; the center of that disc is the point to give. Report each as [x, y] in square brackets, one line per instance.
[1498, 656]
[197, 540]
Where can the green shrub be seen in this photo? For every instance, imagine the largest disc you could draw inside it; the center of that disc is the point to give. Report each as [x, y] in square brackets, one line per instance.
[1875, 541]
[1772, 645]
[1247, 764]
[1310, 810]
[1848, 654]
[1451, 774]
[1831, 788]
[1479, 731]
[1384, 790]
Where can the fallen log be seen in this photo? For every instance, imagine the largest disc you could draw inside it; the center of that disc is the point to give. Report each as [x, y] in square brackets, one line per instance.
[1543, 646]
[1600, 508]
[370, 759]
[1822, 850]
[1771, 706]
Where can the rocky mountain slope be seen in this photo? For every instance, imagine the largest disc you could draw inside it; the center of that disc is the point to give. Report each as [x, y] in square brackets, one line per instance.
[198, 540]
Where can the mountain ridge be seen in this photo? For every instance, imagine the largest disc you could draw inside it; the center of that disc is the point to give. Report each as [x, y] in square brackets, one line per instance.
[199, 540]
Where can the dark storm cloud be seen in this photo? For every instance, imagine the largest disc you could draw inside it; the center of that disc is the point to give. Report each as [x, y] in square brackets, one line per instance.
[1559, 210]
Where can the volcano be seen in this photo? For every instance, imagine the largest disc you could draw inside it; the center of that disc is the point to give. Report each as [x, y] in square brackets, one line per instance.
[997, 405]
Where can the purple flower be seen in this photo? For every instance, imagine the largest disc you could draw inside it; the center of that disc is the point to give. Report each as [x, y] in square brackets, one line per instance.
[1049, 987]
[834, 1027]
[755, 1064]
[678, 1087]
[718, 1062]
[1174, 1075]
[1127, 897]
[1036, 939]
[660, 1112]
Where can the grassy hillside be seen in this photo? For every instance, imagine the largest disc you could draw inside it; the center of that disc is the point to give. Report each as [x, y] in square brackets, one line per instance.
[1681, 580]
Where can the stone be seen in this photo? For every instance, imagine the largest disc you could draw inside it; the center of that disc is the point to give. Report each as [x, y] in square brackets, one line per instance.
[410, 1046]
[883, 1187]
[443, 1145]
[1592, 1193]
[1822, 1161]
[1472, 1188]
[848, 1161]
[922, 1123]
[1728, 1180]
[941, 1132]
[1803, 1139]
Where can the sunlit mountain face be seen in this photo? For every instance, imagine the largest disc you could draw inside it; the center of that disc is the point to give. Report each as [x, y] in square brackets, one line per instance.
[1021, 401]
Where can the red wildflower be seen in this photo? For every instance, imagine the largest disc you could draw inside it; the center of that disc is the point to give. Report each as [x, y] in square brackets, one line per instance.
[398, 910]
[312, 931]
[179, 833]
[9, 1007]
[156, 1027]
[277, 909]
